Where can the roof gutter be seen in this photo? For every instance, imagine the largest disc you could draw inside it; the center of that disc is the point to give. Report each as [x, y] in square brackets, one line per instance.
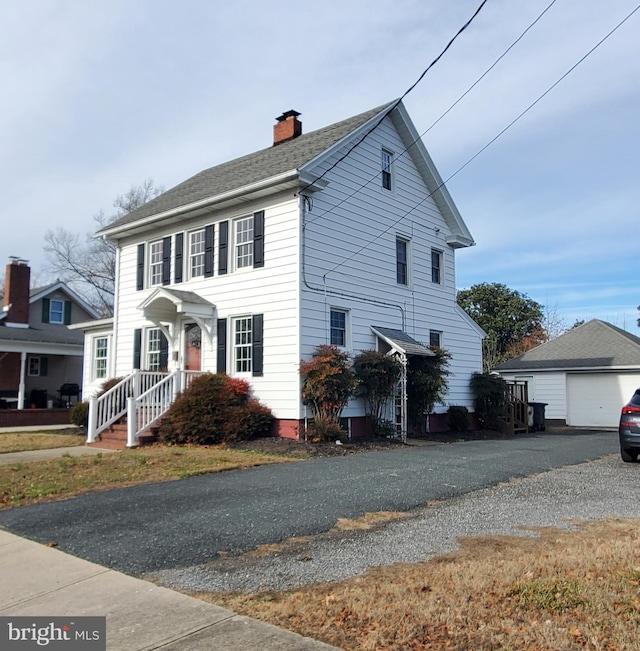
[285, 177]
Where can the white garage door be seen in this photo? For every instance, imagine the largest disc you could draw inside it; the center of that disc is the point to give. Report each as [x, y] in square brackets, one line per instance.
[595, 399]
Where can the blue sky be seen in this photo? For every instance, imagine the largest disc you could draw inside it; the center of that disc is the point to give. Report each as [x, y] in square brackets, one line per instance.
[100, 96]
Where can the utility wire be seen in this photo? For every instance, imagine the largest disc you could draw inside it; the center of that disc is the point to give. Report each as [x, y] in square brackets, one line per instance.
[406, 92]
[522, 114]
[404, 151]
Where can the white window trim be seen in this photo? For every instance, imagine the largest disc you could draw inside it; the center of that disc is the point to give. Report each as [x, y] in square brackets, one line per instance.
[52, 311]
[235, 245]
[407, 241]
[440, 337]
[151, 266]
[147, 352]
[33, 359]
[389, 168]
[441, 267]
[95, 358]
[191, 255]
[233, 346]
[347, 327]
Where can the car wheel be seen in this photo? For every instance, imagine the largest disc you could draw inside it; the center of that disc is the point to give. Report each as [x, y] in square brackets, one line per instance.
[628, 455]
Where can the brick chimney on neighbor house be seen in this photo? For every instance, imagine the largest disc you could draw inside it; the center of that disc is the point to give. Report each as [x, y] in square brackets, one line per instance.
[287, 127]
[16, 292]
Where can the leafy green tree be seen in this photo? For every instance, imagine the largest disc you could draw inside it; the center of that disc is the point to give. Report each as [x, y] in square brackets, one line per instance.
[378, 375]
[427, 384]
[506, 315]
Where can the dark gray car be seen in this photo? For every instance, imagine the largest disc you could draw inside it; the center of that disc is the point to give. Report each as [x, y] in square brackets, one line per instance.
[630, 429]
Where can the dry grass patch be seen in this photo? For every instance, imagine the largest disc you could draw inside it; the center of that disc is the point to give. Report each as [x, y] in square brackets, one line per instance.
[25, 483]
[18, 442]
[556, 591]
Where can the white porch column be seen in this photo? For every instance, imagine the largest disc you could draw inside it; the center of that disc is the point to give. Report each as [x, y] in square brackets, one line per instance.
[21, 386]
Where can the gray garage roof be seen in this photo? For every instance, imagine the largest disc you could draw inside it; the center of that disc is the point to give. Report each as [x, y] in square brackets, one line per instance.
[238, 173]
[595, 344]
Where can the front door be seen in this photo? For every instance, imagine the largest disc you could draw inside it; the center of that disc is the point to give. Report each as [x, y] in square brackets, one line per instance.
[193, 345]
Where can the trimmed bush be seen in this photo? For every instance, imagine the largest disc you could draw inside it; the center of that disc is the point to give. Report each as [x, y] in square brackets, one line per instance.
[458, 418]
[215, 409]
[79, 414]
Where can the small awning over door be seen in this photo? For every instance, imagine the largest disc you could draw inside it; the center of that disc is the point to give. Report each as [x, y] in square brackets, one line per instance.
[401, 342]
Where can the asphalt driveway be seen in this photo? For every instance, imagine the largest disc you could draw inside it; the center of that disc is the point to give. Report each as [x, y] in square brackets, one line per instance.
[154, 527]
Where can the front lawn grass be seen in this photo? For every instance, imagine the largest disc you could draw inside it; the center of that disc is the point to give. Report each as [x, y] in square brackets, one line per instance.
[22, 442]
[37, 481]
[564, 590]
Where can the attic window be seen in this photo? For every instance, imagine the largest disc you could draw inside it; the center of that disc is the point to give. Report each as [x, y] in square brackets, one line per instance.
[56, 311]
[387, 180]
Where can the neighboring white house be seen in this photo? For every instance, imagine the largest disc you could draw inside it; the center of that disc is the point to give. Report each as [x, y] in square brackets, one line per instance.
[585, 376]
[345, 235]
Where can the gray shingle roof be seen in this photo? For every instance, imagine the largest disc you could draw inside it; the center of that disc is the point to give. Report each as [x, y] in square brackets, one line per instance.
[33, 335]
[246, 170]
[402, 340]
[595, 344]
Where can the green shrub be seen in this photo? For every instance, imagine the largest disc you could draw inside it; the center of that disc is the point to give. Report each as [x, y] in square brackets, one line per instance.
[490, 399]
[79, 414]
[215, 409]
[458, 418]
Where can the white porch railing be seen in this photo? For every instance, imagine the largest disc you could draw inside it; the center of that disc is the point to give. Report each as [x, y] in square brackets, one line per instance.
[143, 396]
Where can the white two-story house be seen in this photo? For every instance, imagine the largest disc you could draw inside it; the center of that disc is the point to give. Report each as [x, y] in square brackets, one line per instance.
[345, 235]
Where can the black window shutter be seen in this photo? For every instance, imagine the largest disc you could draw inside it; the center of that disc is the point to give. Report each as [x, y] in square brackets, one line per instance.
[258, 239]
[67, 312]
[140, 269]
[44, 366]
[177, 272]
[222, 346]
[208, 251]
[46, 304]
[137, 347]
[223, 248]
[257, 353]
[166, 260]
[164, 352]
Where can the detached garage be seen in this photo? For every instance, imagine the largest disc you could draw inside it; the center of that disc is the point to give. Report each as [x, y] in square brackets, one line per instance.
[584, 376]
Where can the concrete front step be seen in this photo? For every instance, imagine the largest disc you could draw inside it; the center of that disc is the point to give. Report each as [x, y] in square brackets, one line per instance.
[115, 437]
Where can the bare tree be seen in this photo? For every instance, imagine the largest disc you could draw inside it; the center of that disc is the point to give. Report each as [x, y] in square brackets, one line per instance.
[87, 263]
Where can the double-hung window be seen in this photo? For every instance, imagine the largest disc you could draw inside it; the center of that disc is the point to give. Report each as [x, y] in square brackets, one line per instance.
[244, 242]
[56, 311]
[155, 263]
[155, 340]
[242, 344]
[436, 266]
[435, 339]
[100, 356]
[338, 328]
[402, 261]
[386, 169]
[34, 366]
[196, 253]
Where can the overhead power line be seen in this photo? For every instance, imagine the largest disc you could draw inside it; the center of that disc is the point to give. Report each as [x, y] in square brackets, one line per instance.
[502, 132]
[406, 92]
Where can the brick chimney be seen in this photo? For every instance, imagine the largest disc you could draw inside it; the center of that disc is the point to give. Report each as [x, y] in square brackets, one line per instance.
[16, 292]
[287, 127]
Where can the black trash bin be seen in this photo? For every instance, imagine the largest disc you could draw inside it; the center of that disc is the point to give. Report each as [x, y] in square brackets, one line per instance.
[539, 424]
[38, 398]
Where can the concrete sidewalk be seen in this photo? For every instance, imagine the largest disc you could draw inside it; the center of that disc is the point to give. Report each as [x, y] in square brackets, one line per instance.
[42, 581]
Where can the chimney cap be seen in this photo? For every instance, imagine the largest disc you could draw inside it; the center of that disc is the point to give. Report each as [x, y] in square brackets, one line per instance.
[288, 114]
